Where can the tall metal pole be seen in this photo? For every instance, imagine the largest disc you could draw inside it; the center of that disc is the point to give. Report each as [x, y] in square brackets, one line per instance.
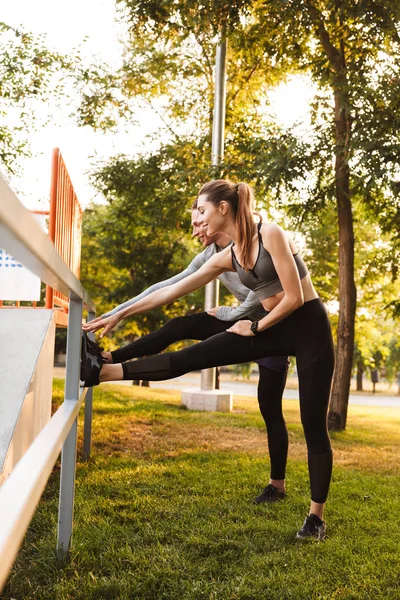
[217, 150]
[217, 154]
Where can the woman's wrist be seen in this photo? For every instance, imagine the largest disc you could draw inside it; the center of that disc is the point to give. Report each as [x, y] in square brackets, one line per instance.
[119, 316]
[123, 314]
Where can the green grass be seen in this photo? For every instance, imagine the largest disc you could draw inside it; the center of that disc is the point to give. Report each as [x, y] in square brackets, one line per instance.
[163, 510]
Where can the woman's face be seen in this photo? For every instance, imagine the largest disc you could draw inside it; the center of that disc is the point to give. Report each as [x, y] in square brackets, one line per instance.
[210, 216]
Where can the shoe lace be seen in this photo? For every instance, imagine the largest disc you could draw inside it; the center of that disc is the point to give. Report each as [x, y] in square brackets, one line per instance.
[310, 524]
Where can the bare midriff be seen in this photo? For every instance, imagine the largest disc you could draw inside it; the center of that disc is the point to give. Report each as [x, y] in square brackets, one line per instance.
[309, 293]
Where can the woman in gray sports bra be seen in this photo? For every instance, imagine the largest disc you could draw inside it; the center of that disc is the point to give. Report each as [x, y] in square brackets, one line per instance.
[263, 278]
[296, 324]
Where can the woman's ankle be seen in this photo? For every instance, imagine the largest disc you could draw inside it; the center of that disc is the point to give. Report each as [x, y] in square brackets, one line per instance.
[317, 509]
[111, 373]
[278, 483]
[107, 358]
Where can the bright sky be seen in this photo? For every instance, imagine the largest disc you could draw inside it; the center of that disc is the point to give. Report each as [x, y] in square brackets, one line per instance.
[66, 26]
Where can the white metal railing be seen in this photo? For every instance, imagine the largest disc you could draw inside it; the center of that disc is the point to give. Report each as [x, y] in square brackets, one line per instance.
[22, 237]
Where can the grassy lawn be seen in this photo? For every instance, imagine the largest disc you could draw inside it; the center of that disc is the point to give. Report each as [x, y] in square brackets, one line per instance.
[163, 509]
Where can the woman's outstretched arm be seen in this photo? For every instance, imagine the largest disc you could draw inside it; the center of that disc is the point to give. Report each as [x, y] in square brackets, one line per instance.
[194, 266]
[213, 267]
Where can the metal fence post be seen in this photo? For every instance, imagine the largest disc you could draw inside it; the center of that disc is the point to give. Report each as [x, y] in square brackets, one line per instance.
[208, 376]
[87, 427]
[68, 455]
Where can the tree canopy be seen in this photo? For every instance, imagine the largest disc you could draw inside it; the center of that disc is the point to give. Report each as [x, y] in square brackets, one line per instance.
[28, 74]
[330, 183]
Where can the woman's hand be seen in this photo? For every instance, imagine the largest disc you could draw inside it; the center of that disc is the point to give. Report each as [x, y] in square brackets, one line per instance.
[241, 328]
[96, 320]
[107, 322]
[213, 311]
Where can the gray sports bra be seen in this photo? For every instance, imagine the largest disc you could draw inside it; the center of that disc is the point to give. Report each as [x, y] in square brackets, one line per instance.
[263, 278]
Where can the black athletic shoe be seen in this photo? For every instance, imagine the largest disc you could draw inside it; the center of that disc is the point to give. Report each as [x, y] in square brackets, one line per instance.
[89, 345]
[313, 528]
[269, 494]
[94, 347]
[91, 361]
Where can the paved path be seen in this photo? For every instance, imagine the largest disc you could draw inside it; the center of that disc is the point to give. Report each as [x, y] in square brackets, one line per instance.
[249, 388]
[244, 388]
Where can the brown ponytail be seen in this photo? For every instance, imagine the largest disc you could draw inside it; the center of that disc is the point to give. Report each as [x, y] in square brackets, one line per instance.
[240, 197]
[245, 222]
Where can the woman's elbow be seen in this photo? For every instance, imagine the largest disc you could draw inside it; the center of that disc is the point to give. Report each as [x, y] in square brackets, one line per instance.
[297, 301]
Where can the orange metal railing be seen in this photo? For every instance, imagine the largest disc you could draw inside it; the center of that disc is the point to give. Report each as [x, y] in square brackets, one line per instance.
[65, 225]
[65, 229]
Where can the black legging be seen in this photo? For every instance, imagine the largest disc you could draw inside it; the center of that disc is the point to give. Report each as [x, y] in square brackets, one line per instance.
[272, 381]
[271, 385]
[199, 326]
[306, 334]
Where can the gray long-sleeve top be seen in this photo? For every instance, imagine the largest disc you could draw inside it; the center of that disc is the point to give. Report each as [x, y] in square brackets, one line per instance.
[250, 307]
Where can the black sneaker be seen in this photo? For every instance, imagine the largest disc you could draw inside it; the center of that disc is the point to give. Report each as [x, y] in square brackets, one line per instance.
[91, 361]
[269, 494]
[90, 345]
[313, 528]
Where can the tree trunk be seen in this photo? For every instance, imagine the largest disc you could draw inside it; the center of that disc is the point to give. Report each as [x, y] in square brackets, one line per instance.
[347, 290]
[360, 373]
